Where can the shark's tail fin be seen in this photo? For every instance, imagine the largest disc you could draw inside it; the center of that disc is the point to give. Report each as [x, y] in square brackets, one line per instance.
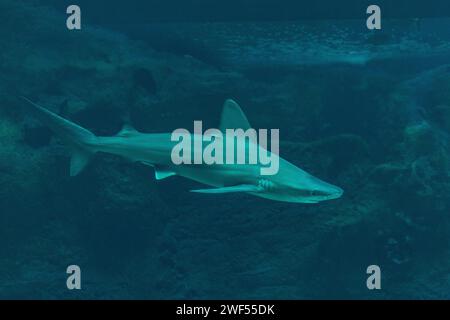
[81, 140]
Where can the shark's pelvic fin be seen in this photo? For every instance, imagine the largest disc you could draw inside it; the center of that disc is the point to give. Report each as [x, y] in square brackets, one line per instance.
[233, 117]
[162, 173]
[237, 188]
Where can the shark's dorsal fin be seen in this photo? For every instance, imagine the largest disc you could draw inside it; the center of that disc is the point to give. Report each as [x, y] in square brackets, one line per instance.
[162, 173]
[233, 117]
[127, 130]
[237, 188]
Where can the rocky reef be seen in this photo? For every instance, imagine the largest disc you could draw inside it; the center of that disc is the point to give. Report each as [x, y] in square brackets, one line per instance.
[379, 134]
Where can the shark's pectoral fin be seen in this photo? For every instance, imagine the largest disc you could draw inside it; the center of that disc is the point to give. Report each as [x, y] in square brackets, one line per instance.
[162, 173]
[78, 162]
[237, 188]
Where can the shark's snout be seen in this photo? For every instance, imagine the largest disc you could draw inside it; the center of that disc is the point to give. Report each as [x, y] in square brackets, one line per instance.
[335, 193]
[321, 190]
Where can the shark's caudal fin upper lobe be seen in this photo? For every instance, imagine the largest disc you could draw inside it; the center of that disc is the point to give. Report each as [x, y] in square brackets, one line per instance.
[81, 140]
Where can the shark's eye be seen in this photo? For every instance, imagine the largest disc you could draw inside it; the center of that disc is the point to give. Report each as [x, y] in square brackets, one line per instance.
[315, 193]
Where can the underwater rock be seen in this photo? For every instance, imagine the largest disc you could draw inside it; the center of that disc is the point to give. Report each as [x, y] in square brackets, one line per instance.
[144, 79]
[37, 136]
[101, 119]
[72, 106]
[10, 132]
[379, 38]
[420, 139]
[387, 173]
[396, 251]
[342, 151]
[441, 113]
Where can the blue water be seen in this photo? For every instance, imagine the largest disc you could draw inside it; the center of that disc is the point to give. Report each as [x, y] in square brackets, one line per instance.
[366, 110]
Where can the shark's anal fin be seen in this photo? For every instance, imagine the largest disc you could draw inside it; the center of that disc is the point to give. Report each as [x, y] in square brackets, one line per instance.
[79, 160]
[233, 117]
[237, 188]
[162, 173]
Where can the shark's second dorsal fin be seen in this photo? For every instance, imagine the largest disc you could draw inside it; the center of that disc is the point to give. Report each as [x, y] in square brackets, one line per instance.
[127, 130]
[233, 117]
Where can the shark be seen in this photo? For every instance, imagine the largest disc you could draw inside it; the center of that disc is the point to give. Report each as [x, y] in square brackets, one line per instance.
[289, 184]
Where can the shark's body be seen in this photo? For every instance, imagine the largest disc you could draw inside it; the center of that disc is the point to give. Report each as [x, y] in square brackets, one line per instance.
[290, 183]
